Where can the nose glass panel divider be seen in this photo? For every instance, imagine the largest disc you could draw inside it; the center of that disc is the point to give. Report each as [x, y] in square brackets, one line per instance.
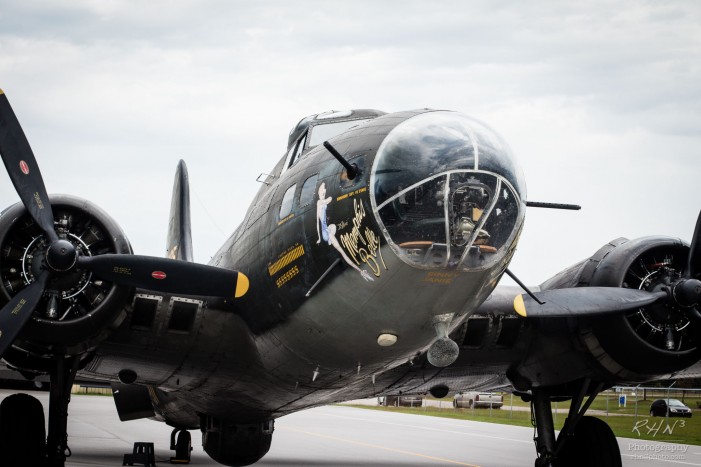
[446, 215]
[483, 220]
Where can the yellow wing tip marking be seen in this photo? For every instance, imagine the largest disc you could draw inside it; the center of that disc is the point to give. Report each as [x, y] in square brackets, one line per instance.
[242, 284]
[519, 306]
[2, 92]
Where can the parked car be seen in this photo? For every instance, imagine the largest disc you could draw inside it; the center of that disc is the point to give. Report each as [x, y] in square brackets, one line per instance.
[400, 401]
[676, 408]
[478, 400]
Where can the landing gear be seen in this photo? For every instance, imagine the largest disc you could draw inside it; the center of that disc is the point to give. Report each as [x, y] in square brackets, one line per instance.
[541, 413]
[62, 377]
[582, 442]
[182, 447]
[23, 440]
[22, 434]
[591, 443]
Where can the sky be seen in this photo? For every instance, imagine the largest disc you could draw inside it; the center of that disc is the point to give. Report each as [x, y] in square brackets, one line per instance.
[599, 100]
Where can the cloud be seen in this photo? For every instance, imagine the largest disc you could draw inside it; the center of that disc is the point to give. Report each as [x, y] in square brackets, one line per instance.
[600, 101]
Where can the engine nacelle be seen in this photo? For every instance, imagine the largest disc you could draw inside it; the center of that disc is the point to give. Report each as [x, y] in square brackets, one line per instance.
[76, 308]
[655, 340]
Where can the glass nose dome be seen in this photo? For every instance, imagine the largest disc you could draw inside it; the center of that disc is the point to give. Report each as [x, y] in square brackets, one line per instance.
[447, 192]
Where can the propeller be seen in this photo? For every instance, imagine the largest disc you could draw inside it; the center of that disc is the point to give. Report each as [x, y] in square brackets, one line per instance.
[62, 258]
[694, 262]
[684, 292]
[166, 275]
[18, 310]
[583, 301]
[23, 169]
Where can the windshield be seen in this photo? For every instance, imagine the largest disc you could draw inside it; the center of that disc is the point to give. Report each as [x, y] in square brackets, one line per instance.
[326, 131]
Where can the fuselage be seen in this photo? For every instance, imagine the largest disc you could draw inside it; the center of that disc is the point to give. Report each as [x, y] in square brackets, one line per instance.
[348, 275]
[426, 229]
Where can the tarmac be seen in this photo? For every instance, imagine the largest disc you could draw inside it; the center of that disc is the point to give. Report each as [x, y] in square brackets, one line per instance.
[343, 436]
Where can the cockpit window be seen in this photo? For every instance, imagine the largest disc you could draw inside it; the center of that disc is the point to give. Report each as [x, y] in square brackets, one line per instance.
[334, 114]
[287, 199]
[298, 151]
[325, 131]
[294, 153]
[306, 195]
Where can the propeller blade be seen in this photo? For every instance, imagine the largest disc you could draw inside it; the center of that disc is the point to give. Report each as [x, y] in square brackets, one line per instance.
[23, 169]
[166, 275]
[15, 314]
[694, 265]
[583, 301]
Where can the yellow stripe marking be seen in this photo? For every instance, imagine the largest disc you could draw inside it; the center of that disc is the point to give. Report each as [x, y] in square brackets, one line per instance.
[241, 285]
[519, 306]
[376, 446]
[286, 259]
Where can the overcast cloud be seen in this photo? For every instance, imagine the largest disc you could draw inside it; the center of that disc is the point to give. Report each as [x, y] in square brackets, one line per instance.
[600, 100]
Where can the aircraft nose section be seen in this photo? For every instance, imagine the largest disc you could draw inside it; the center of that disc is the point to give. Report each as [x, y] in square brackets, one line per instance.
[447, 193]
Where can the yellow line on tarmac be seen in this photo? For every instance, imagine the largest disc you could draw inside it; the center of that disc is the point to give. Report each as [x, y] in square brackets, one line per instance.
[376, 446]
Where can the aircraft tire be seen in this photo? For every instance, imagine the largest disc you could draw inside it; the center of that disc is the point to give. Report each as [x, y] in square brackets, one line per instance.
[22, 432]
[593, 443]
[183, 446]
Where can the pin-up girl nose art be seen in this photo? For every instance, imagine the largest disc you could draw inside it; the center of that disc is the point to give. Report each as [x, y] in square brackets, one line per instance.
[328, 231]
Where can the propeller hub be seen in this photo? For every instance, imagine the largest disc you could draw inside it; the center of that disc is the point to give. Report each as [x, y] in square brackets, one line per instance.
[687, 292]
[61, 256]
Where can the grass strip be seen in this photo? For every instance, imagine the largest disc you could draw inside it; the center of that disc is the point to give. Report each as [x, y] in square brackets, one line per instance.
[673, 430]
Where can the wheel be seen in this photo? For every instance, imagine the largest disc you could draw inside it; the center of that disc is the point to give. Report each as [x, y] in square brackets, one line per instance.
[22, 432]
[592, 443]
[455, 404]
[183, 447]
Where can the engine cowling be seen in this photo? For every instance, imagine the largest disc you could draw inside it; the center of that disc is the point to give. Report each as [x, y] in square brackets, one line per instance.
[77, 308]
[658, 339]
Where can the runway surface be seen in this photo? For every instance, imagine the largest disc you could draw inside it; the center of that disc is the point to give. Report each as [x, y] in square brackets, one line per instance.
[343, 437]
